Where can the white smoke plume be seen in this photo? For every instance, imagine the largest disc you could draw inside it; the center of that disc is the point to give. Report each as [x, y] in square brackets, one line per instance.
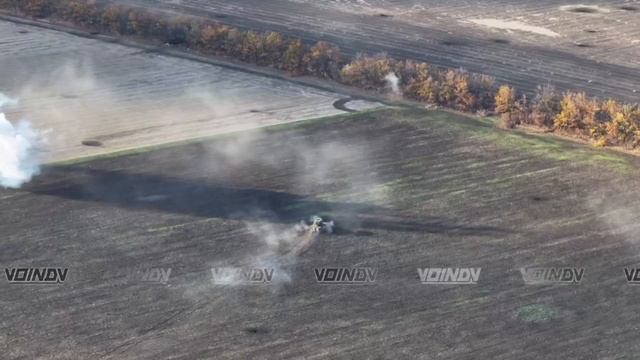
[394, 83]
[18, 150]
[620, 212]
[279, 249]
[277, 240]
[77, 100]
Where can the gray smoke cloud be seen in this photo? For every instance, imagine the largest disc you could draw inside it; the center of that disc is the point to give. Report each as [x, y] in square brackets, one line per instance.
[79, 102]
[619, 211]
[326, 171]
[393, 82]
[70, 93]
[18, 149]
[320, 173]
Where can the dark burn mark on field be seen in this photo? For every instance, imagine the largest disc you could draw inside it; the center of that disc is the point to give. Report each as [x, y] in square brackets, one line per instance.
[628, 8]
[584, 10]
[452, 42]
[583, 45]
[590, 31]
[256, 330]
[256, 111]
[383, 15]
[500, 41]
[91, 143]
[207, 200]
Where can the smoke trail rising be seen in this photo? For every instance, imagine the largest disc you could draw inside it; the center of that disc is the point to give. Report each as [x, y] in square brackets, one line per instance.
[18, 157]
[394, 83]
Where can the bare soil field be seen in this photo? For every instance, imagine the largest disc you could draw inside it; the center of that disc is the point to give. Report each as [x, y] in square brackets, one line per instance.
[407, 189]
[590, 46]
[91, 97]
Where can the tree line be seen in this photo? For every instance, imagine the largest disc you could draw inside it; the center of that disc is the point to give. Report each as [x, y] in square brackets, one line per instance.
[606, 122]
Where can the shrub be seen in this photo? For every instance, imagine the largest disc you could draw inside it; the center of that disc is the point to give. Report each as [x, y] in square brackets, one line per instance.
[578, 113]
[274, 47]
[252, 46]
[483, 88]
[114, 19]
[609, 109]
[292, 59]
[212, 38]
[177, 31]
[413, 76]
[569, 116]
[233, 43]
[81, 12]
[367, 72]
[546, 106]
[522, 112]
[38, 8]
[506, 106]
[623, 128]
[428, 90]
[141, 23]
[323, 60]
[505, 100]
[12, 5]
[464, 99]
[447, 94]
